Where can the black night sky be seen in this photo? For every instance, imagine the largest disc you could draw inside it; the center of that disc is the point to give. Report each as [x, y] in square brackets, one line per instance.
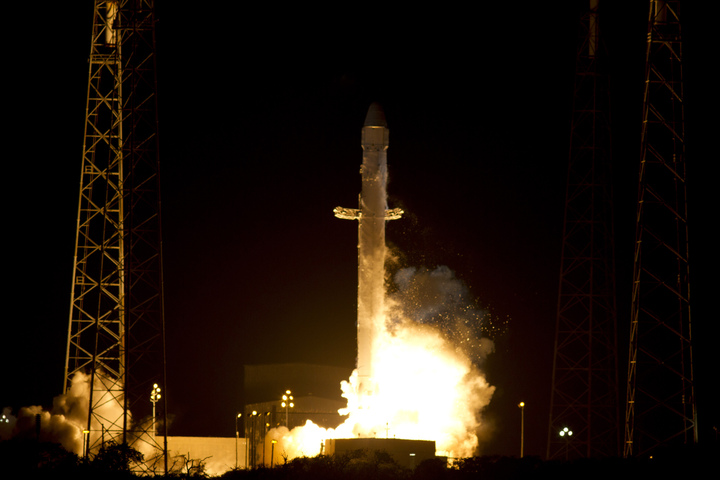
[261, 111]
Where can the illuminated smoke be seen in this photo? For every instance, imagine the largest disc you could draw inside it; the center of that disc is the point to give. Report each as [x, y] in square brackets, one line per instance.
[437, 298]
[63, 425]
[418, 347]
[426, 374]
[65, 422]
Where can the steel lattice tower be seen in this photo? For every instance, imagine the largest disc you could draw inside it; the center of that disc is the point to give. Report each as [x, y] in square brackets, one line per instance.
[116, 334]
[584, 382]
[660, 407]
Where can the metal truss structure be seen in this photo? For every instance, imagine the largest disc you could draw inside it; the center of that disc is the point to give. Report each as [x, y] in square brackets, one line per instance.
[660, 408]
[116, 330]
[584, 398]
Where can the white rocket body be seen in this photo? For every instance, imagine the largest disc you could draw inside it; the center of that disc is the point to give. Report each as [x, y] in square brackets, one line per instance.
[372, 214]
[371, 244]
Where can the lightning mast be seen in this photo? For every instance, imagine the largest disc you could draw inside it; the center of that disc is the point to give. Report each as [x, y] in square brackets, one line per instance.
[116, 332]
[660, 408]
[584, 396]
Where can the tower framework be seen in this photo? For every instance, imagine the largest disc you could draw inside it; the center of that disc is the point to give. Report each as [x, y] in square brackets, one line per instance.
[116, 328]
[660, 407]
[584, 383]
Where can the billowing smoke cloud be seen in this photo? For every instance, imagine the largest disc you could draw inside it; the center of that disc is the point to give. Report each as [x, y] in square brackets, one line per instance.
[63, 424]
[429, 385]
[441, 300]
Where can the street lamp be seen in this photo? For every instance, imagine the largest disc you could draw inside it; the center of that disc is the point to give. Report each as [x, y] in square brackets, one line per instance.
[86, 441]
[566, 433]
[265, 429]
[522, 428]
[237, 436]
[287, 404]
[252, 441]
[154, 397]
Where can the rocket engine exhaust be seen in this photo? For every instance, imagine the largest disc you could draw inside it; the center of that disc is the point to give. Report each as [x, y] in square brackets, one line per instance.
[414, 379]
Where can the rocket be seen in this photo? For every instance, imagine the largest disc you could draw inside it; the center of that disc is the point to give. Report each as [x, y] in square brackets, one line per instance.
[372, 215]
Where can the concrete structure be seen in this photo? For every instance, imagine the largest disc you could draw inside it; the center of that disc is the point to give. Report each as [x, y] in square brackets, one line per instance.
[321, 411]
[316, 397]
[218, 454]
[407, 453]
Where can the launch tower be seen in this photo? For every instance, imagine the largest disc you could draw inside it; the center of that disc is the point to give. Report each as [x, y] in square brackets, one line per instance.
[584, 394]
[116, 328]
[660, 408]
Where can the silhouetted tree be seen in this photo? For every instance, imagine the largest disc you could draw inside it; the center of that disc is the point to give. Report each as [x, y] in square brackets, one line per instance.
[432, 469]
[26, 458]
[116, 457]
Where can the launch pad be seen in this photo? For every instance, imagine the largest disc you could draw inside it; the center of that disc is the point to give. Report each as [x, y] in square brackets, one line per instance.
[407, 453]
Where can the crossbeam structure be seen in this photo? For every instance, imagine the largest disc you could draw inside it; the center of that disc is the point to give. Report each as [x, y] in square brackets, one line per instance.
[660, 408]
[116, 327]
[584, 396]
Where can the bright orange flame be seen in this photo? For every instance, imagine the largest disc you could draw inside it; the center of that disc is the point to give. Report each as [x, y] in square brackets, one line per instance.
[426, 389]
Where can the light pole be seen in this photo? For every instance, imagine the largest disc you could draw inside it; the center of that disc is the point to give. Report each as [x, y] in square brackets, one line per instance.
[154, 397]
[287, 403]
[272, 454]
[522, 428]
[237, 436]
[265, 428]
[566, 433]
[252, 442]
[86, 441]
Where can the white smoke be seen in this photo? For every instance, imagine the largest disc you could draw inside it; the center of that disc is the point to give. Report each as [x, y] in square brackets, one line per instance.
[439, 299]
[65, 422]
[429, 385]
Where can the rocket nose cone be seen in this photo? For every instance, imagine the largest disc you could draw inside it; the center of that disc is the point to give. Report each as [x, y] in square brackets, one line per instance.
[375, 116]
